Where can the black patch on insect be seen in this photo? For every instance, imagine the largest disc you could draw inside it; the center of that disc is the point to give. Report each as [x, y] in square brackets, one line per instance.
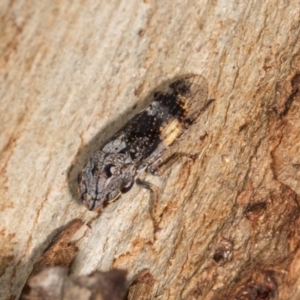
[142, 135]
[170, 106]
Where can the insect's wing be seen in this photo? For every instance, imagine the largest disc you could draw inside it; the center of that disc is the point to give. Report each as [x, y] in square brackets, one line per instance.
[192, 91]
[198, 100]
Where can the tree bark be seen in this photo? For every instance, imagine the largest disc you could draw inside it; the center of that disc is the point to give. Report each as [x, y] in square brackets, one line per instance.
[72, 74]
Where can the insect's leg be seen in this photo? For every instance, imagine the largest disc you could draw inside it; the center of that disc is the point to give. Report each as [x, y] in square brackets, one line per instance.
[153, 202]
[154, 162]
[159, 166]
[149, 186]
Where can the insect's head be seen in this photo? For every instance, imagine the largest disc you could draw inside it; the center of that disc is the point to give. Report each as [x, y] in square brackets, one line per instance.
[102, 182]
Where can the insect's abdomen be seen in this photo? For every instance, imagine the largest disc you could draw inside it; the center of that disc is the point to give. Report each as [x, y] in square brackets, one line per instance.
[166, 118]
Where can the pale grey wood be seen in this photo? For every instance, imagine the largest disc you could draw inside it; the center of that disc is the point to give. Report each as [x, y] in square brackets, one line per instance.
[72, 73]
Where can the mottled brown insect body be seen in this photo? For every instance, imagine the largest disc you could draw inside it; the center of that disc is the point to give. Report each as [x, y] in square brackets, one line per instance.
[140, 144]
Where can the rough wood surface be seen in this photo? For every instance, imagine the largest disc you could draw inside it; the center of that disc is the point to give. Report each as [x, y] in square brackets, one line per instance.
[72, 73]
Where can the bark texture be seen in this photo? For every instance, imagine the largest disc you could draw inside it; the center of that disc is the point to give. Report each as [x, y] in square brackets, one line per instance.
[72, 73]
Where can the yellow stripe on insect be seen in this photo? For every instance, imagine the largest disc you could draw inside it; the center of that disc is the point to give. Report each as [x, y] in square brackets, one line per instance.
[182, 102]
[171, 131]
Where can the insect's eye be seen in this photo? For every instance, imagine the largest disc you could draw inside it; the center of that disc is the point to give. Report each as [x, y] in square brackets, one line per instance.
[126, 185]
[109, 170]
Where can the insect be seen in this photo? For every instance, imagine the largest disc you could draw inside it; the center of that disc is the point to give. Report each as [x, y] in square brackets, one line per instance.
[141, 144]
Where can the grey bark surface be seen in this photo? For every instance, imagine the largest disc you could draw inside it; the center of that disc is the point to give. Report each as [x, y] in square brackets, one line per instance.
[71, 74]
